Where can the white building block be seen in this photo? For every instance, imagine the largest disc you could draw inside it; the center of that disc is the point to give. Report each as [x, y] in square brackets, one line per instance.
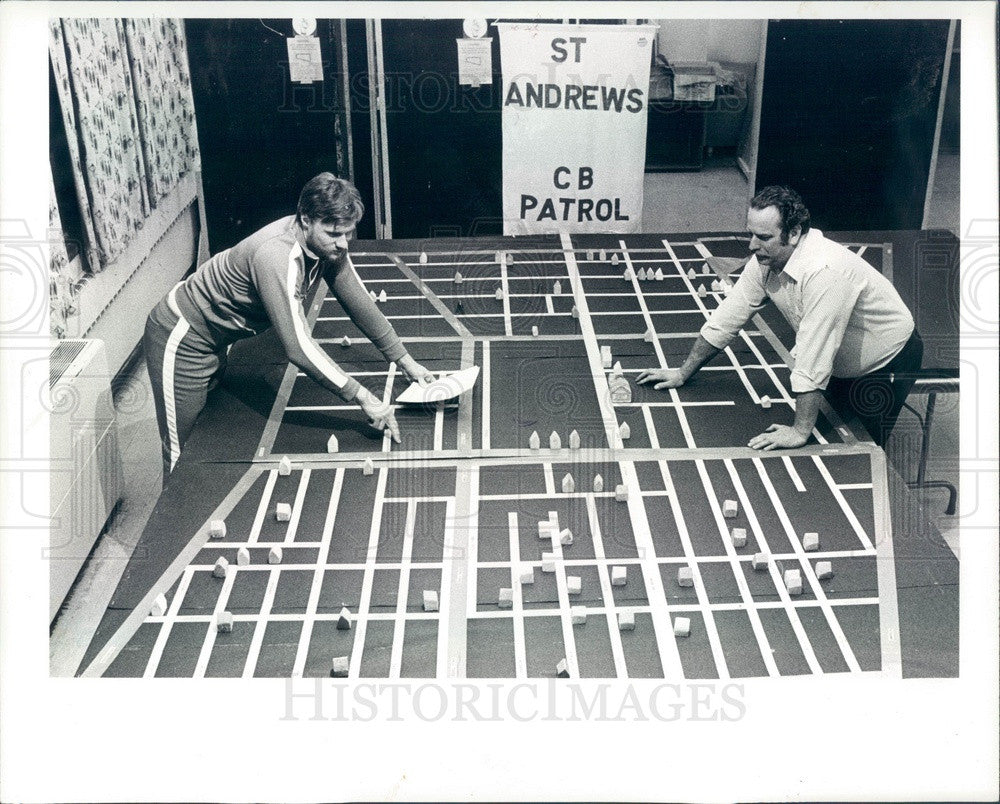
[565, 537]
[534, 442]
[626, 621]
[606, 357]
[682, 626]
[691, 273]
[598, 483]
[619, 576]
[221, 567]
[423, 258]
[282, 512]
[368, 468]
[459, 279]
[629, 275]
[684, 576]
[824, 570]
[621, 493]
[544, 529]
[702, 292]
[506, 599]
[739, 537]
[574, 584]
[810, 542]
[575, 311]
[603, 256]
[617, 370]
[159, 607]
[224, 622]
[345, 620]
[243, 557]
[285, 466]
[614, 259]
[760, 561]
[642, 274]
[534, 331]
[340, 666]
[765, 402]
[548, 562]
[430, 600]
[527, 576]
[568, 484]
[659, 276]
[217, 529]
[562, 669]
[498, 294]
[345, 341]
[793, 581]
[624, 431]
[578, 615]
[555, 442]
[274, 555]
[557, 288]
[730, 509]
[574, 440]
[332, 444]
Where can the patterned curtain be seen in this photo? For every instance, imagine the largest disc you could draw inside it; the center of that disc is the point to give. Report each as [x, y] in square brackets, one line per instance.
[158, 57]
[62, 284]
[106, 132]
[125, 93]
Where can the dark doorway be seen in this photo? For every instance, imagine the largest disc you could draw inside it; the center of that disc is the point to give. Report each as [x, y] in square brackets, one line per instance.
[261, 137]
[848, 117]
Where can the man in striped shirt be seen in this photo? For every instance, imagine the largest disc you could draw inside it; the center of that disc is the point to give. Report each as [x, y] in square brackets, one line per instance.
[855, 339]
[259, 283]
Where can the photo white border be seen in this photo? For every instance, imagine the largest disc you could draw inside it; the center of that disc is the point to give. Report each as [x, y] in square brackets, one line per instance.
[850, 738]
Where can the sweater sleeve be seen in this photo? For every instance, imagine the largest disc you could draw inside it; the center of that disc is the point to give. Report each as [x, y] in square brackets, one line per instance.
[275, 272]
[343, 280]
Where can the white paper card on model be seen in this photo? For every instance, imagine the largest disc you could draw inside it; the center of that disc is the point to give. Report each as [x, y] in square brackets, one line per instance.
[441, 390]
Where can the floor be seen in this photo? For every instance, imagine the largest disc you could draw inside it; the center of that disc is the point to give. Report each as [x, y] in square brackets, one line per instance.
[712, 199]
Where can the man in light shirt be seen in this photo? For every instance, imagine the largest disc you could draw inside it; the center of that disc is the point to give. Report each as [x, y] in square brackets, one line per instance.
[855, 339]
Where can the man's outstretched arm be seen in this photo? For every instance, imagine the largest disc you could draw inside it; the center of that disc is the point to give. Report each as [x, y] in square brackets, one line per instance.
[701, 352]
[783, 436]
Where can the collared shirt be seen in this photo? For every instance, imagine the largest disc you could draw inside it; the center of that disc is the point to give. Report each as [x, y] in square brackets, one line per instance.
[848, 318]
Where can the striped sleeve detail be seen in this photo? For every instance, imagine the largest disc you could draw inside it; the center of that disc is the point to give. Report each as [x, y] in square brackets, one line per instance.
[310, 349]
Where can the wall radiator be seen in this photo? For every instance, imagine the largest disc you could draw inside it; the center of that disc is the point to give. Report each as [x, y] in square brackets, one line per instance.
[86, 473]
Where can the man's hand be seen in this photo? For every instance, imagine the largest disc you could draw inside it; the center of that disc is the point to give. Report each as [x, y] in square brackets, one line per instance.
[778, 436]
[664, 378]
[414, 371]
[380, 416]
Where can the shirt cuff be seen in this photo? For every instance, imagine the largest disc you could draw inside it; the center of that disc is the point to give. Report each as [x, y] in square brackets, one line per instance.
[350, 390]
[715, 336]
[803, 384]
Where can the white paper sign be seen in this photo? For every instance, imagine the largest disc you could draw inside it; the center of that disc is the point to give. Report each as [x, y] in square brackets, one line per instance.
[574, 126]
[305, 60]
[475, 61]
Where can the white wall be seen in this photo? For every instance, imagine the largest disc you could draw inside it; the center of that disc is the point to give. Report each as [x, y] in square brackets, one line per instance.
[710, 40]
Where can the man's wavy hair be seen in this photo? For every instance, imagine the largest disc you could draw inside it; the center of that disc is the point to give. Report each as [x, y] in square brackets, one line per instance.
[329, 199]
[789, 205]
